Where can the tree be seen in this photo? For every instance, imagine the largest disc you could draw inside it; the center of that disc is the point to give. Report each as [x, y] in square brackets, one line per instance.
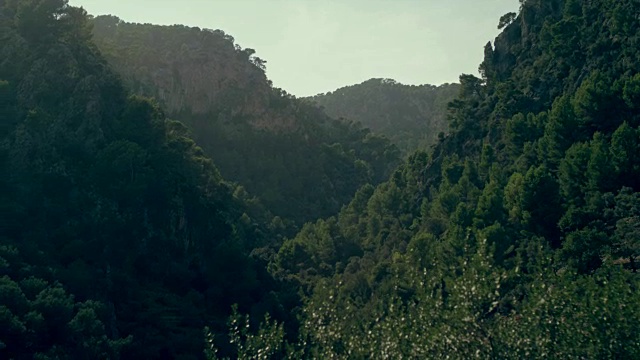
[506, 20]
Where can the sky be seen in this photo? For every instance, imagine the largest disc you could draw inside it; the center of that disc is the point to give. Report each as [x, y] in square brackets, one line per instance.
[316, 46]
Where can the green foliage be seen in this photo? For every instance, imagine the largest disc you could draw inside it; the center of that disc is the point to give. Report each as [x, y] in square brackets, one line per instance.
[573, 317]
[41, 320]
[411, 116]
[267, 343]
[517, 236]
[273, 145]
[117, 234]
[506, 19]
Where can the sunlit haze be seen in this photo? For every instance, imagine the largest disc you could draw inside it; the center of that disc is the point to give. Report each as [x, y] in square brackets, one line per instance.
[317, 46]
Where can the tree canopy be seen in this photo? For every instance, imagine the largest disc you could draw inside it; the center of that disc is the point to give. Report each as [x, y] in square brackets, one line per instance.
[411, 116]
[515, 236]
[118, 236]
[275, 146]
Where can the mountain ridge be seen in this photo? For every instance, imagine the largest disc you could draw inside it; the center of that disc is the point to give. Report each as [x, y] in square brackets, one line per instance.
[412, 116]
[221, 92]
[516, 235]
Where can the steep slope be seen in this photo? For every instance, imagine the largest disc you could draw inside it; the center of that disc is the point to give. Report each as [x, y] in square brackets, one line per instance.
[517, 237]
[118, 237]
[299, 162]
[411, 116]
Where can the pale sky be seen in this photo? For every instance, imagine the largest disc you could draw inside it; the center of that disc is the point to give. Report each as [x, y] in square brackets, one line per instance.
[315, 46]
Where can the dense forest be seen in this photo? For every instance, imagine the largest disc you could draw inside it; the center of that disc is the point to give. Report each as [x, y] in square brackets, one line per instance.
[275, 146]
[515, 236]
[518, 236]
[118, 236]
[411, 116]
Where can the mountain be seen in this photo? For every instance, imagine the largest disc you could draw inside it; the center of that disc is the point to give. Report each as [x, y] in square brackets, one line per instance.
[300, 163]
[411, 116]
[118, 236]
[517, 236]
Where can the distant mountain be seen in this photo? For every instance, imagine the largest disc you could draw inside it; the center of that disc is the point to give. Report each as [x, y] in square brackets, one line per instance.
[517, 236]
[301, 163]
[411, 116]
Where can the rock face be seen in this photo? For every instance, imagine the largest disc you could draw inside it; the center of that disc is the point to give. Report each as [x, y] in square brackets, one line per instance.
[298, 161]
[190, 70]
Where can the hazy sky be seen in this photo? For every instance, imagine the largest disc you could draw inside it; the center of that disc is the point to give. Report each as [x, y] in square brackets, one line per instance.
[314, 46]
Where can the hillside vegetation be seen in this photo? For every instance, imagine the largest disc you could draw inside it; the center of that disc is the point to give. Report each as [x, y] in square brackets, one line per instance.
[118, 236]
[411, 116]
[518, 236]
[276, 146]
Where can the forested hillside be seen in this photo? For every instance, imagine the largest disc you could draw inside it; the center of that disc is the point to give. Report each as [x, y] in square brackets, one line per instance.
[411, 116]
[518, 237]
[275, 146]
[118, 236]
